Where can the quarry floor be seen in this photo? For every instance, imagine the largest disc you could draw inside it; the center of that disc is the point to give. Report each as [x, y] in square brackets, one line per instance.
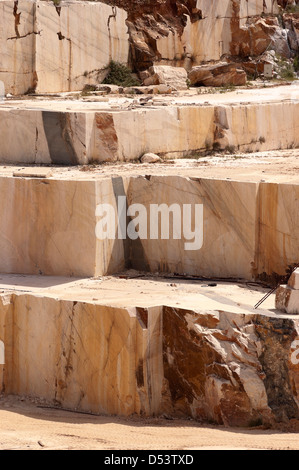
[280, 166]
[31, 425]
[258, 92]
[136, 289]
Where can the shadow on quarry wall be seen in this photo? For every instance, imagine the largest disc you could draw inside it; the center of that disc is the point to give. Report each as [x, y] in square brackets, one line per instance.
[59, 138]
[134, 253]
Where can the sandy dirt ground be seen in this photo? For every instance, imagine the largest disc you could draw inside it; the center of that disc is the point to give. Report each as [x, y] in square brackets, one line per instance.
[279, 166]
[29, 425]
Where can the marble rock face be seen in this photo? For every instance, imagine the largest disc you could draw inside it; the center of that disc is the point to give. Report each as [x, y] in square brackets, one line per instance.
[257, 36]
[217, 32]
[236, 369]
[292, 26]
[17, 39]
[45, 48]
[76, 44]
[48, 48]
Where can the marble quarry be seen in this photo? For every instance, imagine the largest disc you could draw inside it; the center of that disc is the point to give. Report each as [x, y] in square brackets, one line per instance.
[100, 311]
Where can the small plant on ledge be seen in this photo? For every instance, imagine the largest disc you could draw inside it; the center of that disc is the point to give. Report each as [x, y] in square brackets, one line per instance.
[119, 74]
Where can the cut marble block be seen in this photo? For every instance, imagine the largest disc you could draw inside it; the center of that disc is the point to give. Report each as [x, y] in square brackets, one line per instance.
[44, 137]
[77, 354]
[215, 360]
[49, 225]
[228, 224]
[79, 133]
[287, 297]
[265, 126]
[287, 300]
[50, 48]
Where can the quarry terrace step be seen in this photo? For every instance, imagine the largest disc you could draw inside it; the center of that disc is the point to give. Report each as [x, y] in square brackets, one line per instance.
[58, 224]
[119, 128]
[149, 345]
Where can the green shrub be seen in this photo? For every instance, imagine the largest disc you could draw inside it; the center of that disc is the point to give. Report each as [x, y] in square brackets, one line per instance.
[285, 68]
[287, 72]
[119, 74]
[292, 8]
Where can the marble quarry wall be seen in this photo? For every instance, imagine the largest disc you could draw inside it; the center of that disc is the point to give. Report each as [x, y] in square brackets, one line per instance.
[96, 372]
[212, 36]
[81, 137]
[250, 229]
[236, 369]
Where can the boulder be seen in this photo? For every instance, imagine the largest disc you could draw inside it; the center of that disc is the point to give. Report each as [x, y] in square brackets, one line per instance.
[148, 90]
[287, 300]
[294, 280]
[102, 88]
[176, 77]
[220, 74]
[287, 296]
[150, 158]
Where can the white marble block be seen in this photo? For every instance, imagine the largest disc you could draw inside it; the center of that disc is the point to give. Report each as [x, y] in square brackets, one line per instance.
[294, 279]
[287, 300]
[287, 296]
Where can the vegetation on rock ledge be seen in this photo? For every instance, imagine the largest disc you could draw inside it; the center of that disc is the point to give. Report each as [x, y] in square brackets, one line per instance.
[119, 74]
